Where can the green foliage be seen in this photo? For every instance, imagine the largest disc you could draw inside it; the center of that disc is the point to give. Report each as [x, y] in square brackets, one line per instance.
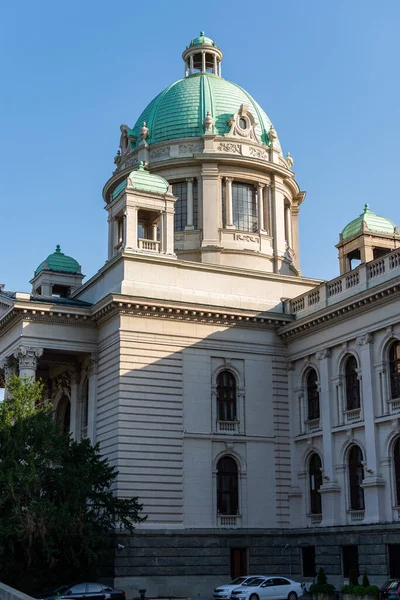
[358, 590]
[365, 580]
[353, 577]
[322, 586]
[347, 589]
[57, 509]
[361, 590]
[371, 590]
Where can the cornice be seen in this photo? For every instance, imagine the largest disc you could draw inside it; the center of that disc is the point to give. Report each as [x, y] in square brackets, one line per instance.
[361, 302]
[115, 304]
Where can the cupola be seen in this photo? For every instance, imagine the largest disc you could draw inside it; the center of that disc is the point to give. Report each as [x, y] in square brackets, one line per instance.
[58, 275]
[202, 56]
[366, 238]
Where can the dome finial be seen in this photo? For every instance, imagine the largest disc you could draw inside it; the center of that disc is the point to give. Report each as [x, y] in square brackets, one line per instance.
[58, 249]
[366, 208]
[201, 33]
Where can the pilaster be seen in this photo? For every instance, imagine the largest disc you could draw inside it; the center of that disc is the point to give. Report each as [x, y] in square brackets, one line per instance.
[92, 397]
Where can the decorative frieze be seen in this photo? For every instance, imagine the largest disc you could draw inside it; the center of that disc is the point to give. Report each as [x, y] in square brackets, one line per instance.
[244, 237]
[190, 148]
[160, 153]
[230, 147]
[258, 153]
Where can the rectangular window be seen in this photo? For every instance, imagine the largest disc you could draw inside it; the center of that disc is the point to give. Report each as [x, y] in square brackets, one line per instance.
[244, 207]
[394, 560]
[179, 190]
[308, 561]
[350, 560]
[238, 562]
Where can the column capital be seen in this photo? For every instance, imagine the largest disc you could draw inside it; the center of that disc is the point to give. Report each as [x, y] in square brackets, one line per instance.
[190, 179]
[229, 179]
[93, 361]
[27, 356]
[364, 340]
[261, 186]
[322, 354]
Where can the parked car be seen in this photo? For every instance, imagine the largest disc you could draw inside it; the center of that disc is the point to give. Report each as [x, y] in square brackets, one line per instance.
[89, 591]
[223, 592]
[390, 589]
[268, 588]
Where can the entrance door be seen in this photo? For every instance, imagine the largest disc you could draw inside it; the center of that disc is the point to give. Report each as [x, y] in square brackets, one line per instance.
[394, 560]
[238, 562]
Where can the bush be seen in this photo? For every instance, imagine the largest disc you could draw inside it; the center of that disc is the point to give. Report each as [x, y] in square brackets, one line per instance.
[347, 589]
[358, 590]
[353, 577]
[322, 586]
[371, 590]
[365, 580]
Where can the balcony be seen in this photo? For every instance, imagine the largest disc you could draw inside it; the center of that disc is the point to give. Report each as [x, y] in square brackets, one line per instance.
[148, 245]
[331, 292]
[228, 426]
[353, 415]
[356, 516]
[229, 521]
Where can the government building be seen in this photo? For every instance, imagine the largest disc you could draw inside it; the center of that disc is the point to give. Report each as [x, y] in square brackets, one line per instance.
[253, 411]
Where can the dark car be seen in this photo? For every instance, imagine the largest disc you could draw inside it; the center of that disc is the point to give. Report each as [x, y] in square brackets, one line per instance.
[390, 589]
[89, 591]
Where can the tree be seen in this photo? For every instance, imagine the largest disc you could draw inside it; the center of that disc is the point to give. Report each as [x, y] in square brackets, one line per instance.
[57, 508]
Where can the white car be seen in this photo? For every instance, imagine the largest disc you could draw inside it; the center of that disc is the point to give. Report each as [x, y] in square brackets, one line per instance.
[268, 588]
[223, 592]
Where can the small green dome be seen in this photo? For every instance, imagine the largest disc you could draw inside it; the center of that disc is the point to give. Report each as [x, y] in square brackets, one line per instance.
[179, 110]
[202, 41]
[373, 223]
[148, 182]
[59, 262]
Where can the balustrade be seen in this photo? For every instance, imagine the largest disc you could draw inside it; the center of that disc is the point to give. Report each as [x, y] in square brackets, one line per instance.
[229, 521]
[149, 245]
[353, 415]
[228, 426]
[356, 516]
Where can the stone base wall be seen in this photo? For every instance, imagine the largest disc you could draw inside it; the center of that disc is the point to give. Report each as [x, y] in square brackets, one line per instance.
[191, 563]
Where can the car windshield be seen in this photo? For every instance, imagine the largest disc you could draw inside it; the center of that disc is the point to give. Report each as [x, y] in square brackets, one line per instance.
[60, 590]
[253, 582]
[391, 584]
[238, 580]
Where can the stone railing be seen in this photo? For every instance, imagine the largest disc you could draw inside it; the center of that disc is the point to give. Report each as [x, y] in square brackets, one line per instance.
[229, 521]
[228, 426]
[364, 277]
[356, 516]
[149, 245]
[9, 593]
[315, 519]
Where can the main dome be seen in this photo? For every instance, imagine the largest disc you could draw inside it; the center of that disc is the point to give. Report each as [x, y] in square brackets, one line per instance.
[179, 110]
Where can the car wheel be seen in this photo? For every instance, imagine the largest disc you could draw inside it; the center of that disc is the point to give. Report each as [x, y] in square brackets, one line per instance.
[292, 596]
[254, 597]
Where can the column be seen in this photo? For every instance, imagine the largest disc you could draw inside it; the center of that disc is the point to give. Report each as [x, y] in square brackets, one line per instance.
[329, 489]
[189, 222]
[220, 69]
[373, 483]
[203, 61]
[211, 211]
[131, 228]
[278, 218]
[260, 188]
[191, 64]
[75, 405]
[154, 231]
[92, 398]
[27, 357]
[186, 68]
[295, 235]
[9, 368]
[228, 204]
[110, 238]
[288, 226]
[215, 64]
[115, 235]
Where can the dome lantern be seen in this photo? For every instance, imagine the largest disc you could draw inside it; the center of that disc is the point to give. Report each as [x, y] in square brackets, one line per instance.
[58, 275]
[202, 56]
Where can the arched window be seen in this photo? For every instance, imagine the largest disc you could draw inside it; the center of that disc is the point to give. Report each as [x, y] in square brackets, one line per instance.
[396, 460]
[356, 476]
[352, 384]
[315, 483]
[227, 486]
[85, 409]
[394, 369]
[63, 415]
[312, 395]
[226, 396]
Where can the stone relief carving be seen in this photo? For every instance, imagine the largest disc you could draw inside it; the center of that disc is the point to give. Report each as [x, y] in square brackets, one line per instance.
[259, 153]
[289, 160]
[243, 124]
[160, 153]
[179, 237]
[189, 148]
[322, 354]
[365, 339]
[229, 147]
[243, 237]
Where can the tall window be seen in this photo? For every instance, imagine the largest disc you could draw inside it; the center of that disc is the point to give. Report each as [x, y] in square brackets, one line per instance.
[394, 368]
[226, 396]
[63, 415]
[352, 384]
[356, 475]
[85, 409]
[396, 460]
[179, 190]
[227, 486]
[350, 560]
[312, 395]
[244, 206]
[315, 483]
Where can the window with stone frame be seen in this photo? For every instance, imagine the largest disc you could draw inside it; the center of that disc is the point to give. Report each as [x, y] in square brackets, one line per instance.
[394, 370]
[312, 395]
[396, 461]
[244, 206]
[315, 479]
[356, 476]
[352, 384]
[179, 190]
[226, 396]
[227, 486]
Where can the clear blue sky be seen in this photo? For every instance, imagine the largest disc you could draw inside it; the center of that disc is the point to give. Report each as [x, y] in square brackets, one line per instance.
[326, 72]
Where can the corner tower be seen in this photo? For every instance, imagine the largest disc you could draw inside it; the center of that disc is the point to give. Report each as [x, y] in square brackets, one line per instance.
[237, 198]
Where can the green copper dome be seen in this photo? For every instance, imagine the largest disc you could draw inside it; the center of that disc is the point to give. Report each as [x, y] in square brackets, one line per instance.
[202, 40]
[59, 262]
[372, 221]
[148, 182]
[179, 110]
